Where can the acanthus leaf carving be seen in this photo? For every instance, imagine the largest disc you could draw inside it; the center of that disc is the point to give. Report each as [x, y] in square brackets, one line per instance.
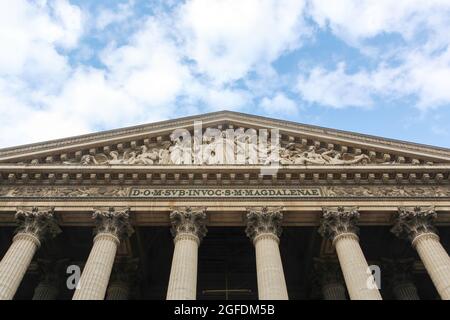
[112, 221]
[337, 221]
[263, 220]
[39, 223]
[190, 221]
[409, 223]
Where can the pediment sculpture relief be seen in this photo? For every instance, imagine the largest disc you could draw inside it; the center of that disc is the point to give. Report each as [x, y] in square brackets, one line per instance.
[221, 149]
[295, 153]
[142, 155]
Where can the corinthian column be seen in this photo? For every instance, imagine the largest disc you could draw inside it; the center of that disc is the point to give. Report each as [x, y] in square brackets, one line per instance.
[329, 276]
[399, 275]
[264, 229]
[111, 227]
[417, 225]
[339, 226]
[51, 275]
[188, 229]
[123, 278]
[34, 226]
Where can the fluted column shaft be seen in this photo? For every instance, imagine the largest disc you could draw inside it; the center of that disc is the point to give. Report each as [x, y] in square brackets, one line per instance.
[328, 276]
[45, 291]
[111, 227]
[354, 268]
[436, 261]
[95, 277]
[398, 274]
[264, 229]
[417, 225]
[15, 263]
[334, 291]
[118, 291]
[188, 229]
[33, 226]
[123, 278]
[183, 273]
[405, 291]
[340, 226]
[269, 269]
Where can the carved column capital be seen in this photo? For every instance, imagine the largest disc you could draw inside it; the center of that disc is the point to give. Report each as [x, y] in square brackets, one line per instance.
[398, 273]
[40, 224]
[116, 223]
[263, 220]
[410, 223]
[338, 221]
[327, 278]
[188, 221]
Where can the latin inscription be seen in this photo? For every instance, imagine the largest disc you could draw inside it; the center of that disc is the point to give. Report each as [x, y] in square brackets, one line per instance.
[225, 193]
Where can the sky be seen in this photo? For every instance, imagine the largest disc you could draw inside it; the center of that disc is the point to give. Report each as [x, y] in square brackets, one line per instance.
[378, 67]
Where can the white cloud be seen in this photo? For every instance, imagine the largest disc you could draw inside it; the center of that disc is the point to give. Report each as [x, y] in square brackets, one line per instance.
[338, 89]
[31, 32]
[35, 38]
[419, 76]
[228, 38]
[355, 20]
[107, 16]
[279, 104]
[422, 60]
[202, 55]
[149, 67]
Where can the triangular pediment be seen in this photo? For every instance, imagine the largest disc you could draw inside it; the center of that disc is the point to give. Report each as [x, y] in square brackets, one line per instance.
[151, 144]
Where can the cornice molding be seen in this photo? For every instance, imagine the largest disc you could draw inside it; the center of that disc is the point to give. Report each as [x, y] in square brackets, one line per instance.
[136, 132]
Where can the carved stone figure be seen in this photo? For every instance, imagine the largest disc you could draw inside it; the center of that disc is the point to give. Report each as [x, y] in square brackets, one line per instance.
[338, 158]
[221, 147]
[147, 156]
[115, 158]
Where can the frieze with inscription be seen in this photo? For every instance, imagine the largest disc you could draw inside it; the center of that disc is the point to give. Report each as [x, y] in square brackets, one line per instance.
[226, 192]
[201, 192]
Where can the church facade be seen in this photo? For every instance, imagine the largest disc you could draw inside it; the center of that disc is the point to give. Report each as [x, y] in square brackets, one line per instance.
[224, 206]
